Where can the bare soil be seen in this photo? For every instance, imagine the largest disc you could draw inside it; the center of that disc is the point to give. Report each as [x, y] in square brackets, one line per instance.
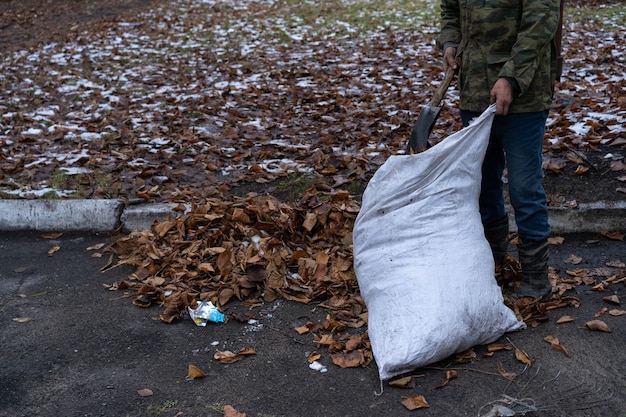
[26, 23]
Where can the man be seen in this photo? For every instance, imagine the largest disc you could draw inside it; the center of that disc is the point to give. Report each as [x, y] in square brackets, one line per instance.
[504, 52]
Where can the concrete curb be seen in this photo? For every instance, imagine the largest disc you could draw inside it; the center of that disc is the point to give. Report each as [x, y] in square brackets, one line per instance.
[81, 215]
[111, 215]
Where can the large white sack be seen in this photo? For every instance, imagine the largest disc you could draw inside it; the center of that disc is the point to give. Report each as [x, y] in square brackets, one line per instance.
[424, 267]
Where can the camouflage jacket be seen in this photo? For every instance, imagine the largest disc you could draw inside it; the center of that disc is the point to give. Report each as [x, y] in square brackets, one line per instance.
[503, 38]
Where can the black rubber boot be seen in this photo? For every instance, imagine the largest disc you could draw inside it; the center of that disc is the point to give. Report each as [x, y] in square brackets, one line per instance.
[533, 257]
[497, 234]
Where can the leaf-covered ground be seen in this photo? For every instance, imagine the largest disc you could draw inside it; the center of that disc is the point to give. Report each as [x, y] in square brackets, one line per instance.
[195, 98]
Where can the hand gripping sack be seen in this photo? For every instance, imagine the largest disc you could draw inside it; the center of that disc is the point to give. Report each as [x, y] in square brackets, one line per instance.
[424, 267]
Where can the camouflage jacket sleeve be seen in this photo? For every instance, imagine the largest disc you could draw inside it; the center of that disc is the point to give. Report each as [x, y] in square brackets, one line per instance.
[450, 23]
[538, 23]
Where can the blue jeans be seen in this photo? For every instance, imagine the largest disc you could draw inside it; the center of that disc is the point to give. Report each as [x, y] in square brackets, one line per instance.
[516, 142]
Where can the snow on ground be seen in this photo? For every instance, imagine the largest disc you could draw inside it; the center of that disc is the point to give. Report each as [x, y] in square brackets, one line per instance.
[231, 86]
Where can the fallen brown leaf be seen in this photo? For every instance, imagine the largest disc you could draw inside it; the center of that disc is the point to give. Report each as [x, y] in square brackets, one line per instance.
[613, 235]
[598, 325]
[349, 359]
[309, 221]
[230, 411]
[22, 319]
[465, 356]
[574, 260]
[302, 329]
[229, 357]
[554, 341]
[145, 392]
[194, 372]
[415, 402]
[565, 319]
[600, 312]
[97, 246]
[51, 235]
[404, 382]
[523, 357]
[556, 240]
[313, 357]
[508, 375]
[581, 170]
[497, 346]
[450, 375]
[612, 299]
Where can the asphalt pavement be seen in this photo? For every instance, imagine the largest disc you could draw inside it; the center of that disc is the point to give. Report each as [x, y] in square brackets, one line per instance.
[70, 347]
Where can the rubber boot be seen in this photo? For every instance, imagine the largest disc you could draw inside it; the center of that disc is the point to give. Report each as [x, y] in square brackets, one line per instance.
[497, 234]
[533, 257]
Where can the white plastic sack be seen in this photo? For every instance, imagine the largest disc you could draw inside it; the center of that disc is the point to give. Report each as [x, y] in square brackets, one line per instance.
[424, 267]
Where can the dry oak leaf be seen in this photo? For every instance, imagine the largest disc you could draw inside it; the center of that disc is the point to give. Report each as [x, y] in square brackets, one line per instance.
[613, 235]
[53, 250]
[574, 260]
[556, 240]
[51, 235]
[194, 372]
[508, 375]
[554, 341]
[598, 325]
[22, 319]
[313, 357]
[450, 375]
[309, 221]
[565, 319]
[145, 392]
[616, 312]
[404, 382]
[302, 329]
[227, 356]
[229, 411]
[581, 170]
[415, 402]
[600, 312]
[523, 357]
[349, 360]
[96, 246]
[465, 356]
[612, 299]
[497, 346]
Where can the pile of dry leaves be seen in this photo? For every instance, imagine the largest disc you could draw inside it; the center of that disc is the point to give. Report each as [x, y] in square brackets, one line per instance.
[254, 250]
[258, 249]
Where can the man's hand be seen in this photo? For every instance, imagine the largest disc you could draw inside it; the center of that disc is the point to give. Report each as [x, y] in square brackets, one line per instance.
[449, 58]
[502, 95]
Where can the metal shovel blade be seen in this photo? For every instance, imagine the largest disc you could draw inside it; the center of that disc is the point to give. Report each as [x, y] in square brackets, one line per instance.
[418, 142]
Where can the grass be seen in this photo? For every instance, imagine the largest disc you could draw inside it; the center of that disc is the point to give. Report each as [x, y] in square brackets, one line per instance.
[163, 408]
[351, 15]
[80, 183]
[335, 18]
[294, 185]
[610, 15]
[215, 407]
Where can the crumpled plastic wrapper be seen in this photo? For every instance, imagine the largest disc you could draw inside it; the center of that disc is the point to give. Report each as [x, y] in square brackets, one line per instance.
[204, 313]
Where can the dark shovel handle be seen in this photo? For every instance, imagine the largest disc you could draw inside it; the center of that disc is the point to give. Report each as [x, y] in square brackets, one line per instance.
[418, 141]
